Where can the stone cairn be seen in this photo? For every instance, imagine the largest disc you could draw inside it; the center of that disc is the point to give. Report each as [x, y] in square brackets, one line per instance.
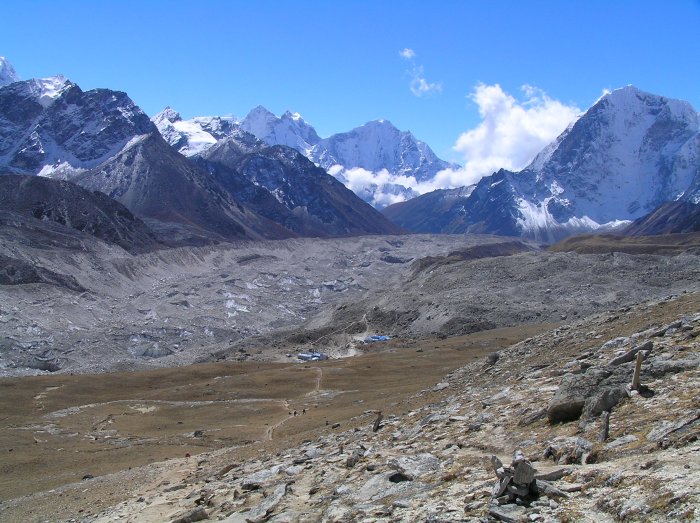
[516, 484]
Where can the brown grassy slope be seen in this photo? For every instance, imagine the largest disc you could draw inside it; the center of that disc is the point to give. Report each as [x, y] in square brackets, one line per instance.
[666, 244]
[56, 429]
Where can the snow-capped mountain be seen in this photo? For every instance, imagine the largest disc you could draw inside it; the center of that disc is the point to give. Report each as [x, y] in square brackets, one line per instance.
[7, 72]
[49, 126]
[290, 129]
[193, 136]
[624, 157]
[101, 140]
[379, 145]
[628, 154]
[380, 163]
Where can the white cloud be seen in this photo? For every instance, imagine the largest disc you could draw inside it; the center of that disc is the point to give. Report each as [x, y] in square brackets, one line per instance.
[420, 86]
[605, 92]
[383, 188]
[511, 132]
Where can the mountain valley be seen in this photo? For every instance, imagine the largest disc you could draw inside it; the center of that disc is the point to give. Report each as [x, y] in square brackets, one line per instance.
[199, 319]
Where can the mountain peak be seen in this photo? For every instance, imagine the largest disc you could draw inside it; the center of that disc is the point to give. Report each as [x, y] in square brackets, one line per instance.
[167, 114]
[48, 89]
[260, 111]
[290, 129]
[624, 98]
[381, 122]
[7, 72]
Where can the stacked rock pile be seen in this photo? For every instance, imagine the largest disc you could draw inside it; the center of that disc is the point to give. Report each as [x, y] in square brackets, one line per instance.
[516, 484]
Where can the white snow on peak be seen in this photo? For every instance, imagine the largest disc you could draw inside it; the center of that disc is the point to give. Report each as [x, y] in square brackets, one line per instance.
[198, 139]
[167, 114]
[194, 136]
[545, 154]
[7, 72]
[258, 122]
[380, 163]
[630, 98]
[535, 221]
[290, 129]
[48, 89]
[293, 116]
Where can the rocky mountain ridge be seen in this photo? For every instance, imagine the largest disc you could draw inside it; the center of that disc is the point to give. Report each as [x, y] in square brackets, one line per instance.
[40, 200]
[51, 127]
[283, 185]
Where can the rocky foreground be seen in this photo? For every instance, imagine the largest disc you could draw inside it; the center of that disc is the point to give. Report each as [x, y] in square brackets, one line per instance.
[543, 402]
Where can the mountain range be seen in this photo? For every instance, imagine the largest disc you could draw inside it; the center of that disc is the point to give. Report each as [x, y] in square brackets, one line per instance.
[628, 154]
[222, 178]
[375, 146]
[101, 140]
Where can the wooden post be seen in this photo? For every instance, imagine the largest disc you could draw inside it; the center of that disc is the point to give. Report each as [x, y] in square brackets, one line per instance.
[605, 428]
[378, 421]
[637, 371]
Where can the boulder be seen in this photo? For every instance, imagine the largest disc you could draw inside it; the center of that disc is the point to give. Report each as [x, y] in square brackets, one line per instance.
[261, 512]
[417, 466]
[589, 394]
[631, 354]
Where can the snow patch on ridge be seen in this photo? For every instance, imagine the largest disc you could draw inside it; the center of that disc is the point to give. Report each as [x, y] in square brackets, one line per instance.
[66, 165]
[194, 136]
[48, 89]
[537, 222]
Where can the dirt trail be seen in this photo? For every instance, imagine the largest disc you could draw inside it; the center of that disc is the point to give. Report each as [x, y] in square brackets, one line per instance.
[269, 433]
[319, 377]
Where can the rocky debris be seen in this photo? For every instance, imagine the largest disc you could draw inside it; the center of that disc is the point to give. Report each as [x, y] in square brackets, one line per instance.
[377, 422]
[262, 512]
[19, 272]
[567, 450]
[427, 465]
[178, 306]
[508, 513]
[257, 479]
[415, 466]
[198, 514]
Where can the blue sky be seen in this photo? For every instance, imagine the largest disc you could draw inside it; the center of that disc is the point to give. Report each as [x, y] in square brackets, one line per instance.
[339, 63]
